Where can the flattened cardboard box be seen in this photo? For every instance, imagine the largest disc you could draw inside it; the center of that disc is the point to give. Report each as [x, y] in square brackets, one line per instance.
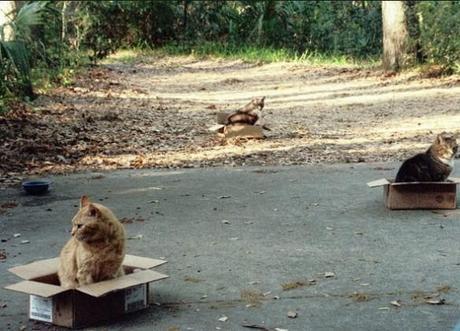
[418, 195]
[90, 304]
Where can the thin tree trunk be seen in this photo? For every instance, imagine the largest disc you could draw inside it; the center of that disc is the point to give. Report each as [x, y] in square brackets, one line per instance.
[7, 10]
[184, 20]
[394, 35]
[63, 21]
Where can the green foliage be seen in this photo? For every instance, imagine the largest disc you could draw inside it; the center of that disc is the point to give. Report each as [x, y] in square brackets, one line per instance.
[439, 32]
[107, 25]
[310, 31]
[247, 53]
[14, 55]
[340, 27]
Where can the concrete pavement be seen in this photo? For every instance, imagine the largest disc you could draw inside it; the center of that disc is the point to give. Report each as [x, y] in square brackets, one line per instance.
[235, 236]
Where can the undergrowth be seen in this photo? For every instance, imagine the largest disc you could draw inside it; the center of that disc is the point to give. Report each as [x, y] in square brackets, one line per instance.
[245, 53]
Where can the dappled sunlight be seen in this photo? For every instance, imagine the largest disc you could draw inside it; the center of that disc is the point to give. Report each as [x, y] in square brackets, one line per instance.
[155, 113]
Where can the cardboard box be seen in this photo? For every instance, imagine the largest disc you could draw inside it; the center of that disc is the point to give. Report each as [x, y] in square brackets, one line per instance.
[243, 131]
[419, 195]
[89, 304]
[237, 130]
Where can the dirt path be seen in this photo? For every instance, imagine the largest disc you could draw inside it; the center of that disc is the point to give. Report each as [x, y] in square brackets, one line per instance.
[156, 111]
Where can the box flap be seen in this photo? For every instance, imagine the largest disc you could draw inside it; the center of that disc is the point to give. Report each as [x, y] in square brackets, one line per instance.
[454, 180]
[216, 128]
[36, 269]
[449, 181]
[378, 182]
[36, 288]
[136, 278]
[244, 131]
[141, 262]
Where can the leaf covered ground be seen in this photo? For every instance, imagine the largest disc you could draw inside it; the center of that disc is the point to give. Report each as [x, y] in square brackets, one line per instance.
[154, 112]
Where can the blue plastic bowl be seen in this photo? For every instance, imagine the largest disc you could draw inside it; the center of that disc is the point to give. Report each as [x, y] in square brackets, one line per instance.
[36, 187]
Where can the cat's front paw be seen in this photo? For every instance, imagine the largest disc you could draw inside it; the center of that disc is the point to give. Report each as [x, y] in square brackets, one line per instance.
[69, 284]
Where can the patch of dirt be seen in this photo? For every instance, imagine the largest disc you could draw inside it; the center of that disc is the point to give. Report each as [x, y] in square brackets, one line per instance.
[155, 112]
[293, 285]
[360, 297]
[192, 279]
[251, 296]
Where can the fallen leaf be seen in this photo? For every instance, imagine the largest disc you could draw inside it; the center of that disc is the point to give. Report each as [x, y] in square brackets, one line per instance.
[25, 241]
[125, 220]
[329, 274]
[8, 205]
[292, 285]
[225, 221]
[292, 314]
[396, 303]
[255, 326]
[16, 235]
[223, 319]
[359, 297]
[192, 279]
[224, 196]
[137, 237]
[439, 301]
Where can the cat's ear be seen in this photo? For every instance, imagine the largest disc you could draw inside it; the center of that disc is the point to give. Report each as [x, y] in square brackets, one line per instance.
[84, 201]
[262, 99]
[93, 211]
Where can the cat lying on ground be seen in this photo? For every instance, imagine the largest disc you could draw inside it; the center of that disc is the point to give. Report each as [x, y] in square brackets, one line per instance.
[97, 247]
[435, 165]
[251, 114]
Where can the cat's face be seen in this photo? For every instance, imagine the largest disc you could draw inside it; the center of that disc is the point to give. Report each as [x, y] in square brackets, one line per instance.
[258, 102]
[89, 224]
[446, 145]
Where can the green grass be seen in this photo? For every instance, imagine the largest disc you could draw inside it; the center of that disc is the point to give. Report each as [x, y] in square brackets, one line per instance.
[45, 77]
[240, 52]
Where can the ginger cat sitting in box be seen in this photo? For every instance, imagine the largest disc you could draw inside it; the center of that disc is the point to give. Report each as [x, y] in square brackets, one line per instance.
[97, 247]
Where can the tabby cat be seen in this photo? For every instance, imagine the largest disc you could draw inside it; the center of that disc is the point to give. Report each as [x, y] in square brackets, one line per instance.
[97, 247]
[435, 165]
[250, 114]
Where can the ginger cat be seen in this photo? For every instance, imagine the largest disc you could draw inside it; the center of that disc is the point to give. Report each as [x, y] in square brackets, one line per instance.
[435, 165]
[97, 247]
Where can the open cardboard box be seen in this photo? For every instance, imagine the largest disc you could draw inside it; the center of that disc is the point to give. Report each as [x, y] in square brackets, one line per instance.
[418, 195]
[89, 304]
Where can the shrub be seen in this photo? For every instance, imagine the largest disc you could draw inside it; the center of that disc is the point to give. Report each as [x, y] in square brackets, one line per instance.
[439, 32]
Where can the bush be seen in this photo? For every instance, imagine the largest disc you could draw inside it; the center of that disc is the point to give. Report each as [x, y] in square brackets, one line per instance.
[439, 38]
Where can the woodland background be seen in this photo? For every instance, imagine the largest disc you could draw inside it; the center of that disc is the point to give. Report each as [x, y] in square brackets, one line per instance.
[43, 42]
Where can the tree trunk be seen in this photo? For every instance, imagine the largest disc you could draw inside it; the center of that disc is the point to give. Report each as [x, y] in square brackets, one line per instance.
[394, 35]
[184, 17]
[7, 11]
[63, 21]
